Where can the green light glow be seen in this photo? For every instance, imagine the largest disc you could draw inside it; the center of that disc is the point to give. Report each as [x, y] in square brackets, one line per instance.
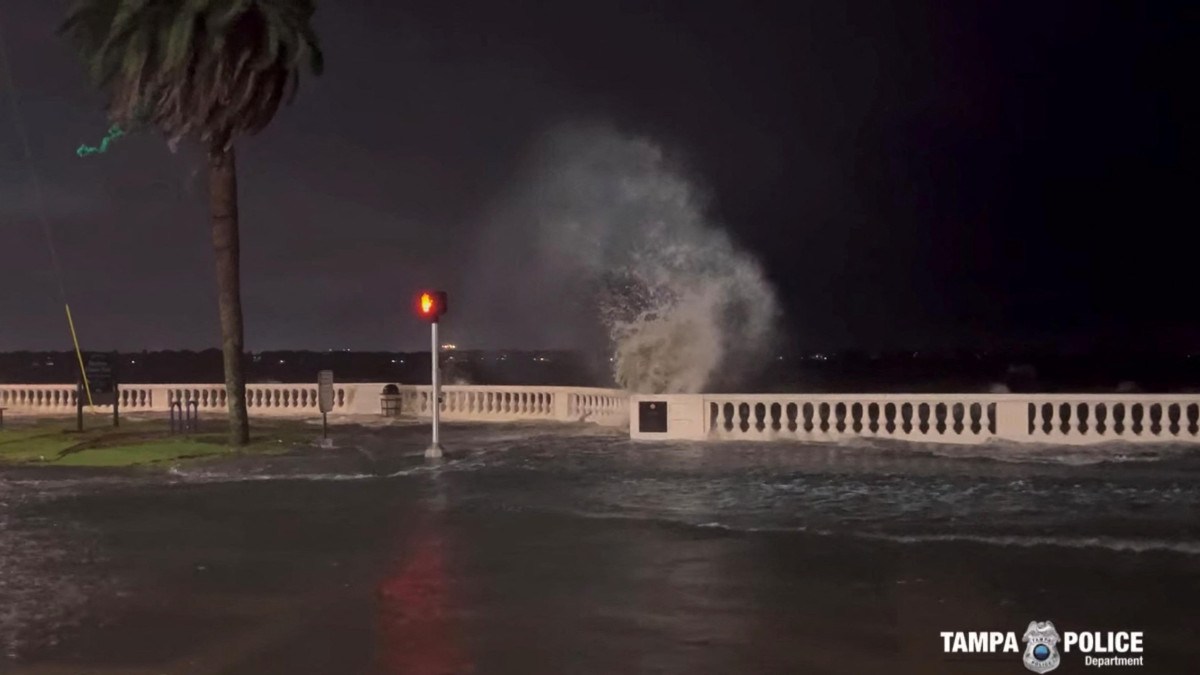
[114, 132]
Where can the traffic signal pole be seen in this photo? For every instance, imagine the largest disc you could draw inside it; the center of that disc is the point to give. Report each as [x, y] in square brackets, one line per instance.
[434, 451]
[431, 305]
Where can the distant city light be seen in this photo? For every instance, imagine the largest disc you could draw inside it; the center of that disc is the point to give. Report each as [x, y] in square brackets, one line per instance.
[281, 361]
[449, 346]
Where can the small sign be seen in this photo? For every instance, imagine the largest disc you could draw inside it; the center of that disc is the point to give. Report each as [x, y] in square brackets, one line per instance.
[325, 390]
[101, 380]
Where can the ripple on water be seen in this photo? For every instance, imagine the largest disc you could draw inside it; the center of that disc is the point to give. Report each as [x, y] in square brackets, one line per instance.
[48, 576]
[1001, 496]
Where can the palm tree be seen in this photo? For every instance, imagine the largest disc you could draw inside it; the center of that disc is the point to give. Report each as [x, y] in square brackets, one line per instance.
[207, 70]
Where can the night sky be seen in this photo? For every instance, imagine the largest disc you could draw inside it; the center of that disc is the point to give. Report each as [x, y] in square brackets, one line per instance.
[911, 175]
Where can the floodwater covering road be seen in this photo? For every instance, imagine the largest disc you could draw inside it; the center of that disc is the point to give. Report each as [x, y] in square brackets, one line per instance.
[569, 549]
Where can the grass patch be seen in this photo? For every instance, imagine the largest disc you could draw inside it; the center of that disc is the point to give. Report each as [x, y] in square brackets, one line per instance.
[139, 442]
[147, 452]
[34, 448]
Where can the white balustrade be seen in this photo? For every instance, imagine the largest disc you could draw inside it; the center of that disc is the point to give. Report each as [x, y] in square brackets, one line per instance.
[504, 403]
[1117, 417]
[940, 418]
[48, 397]
[459, 402]
[944, 418]
[603, 406]
[959, 419]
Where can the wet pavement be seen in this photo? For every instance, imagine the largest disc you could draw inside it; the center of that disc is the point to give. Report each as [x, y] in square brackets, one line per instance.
[564, 549]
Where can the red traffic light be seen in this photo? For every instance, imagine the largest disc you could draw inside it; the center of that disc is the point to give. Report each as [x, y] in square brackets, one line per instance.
[431, 305]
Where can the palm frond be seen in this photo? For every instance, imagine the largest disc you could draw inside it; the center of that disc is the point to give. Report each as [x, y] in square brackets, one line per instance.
[209, 69]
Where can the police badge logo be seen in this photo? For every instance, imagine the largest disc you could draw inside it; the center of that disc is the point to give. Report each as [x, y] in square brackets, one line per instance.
[1041, 648]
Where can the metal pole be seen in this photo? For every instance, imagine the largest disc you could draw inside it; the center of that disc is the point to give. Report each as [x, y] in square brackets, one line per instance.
[435, 449]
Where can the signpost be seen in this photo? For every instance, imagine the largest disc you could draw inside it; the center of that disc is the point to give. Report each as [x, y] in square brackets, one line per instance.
[431, 305]
[99, 387]
[325, 401]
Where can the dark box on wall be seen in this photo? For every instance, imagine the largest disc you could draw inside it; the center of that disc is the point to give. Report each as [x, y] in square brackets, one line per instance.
[652, 417]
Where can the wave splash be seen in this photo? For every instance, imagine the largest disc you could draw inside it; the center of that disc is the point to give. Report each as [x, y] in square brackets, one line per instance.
[677, 297]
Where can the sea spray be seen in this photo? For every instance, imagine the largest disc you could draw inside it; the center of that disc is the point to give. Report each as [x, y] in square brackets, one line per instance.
[676, 296]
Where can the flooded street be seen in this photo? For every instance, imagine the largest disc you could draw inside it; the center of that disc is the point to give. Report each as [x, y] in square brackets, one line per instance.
[558, 549]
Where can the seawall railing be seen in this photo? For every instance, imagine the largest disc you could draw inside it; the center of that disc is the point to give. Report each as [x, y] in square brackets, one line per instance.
[937, 418]
[459, 402]
[933, 418]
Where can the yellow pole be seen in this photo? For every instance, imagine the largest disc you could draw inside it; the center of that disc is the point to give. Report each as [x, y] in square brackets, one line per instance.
[79, 355]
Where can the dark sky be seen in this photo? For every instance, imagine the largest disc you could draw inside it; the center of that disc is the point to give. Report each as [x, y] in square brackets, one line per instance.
[910, 175]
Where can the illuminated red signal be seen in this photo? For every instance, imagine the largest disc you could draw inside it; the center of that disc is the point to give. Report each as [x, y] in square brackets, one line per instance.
[431, 305]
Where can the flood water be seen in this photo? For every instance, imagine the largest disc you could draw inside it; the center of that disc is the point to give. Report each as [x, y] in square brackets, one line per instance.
[552, 549]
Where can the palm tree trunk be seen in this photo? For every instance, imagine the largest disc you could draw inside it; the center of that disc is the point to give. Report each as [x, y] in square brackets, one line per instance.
[222, 191]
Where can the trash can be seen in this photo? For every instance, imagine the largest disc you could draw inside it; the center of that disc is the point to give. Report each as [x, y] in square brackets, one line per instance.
[390, 401]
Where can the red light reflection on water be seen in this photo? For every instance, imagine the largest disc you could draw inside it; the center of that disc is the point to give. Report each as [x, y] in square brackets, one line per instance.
[416, 625]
